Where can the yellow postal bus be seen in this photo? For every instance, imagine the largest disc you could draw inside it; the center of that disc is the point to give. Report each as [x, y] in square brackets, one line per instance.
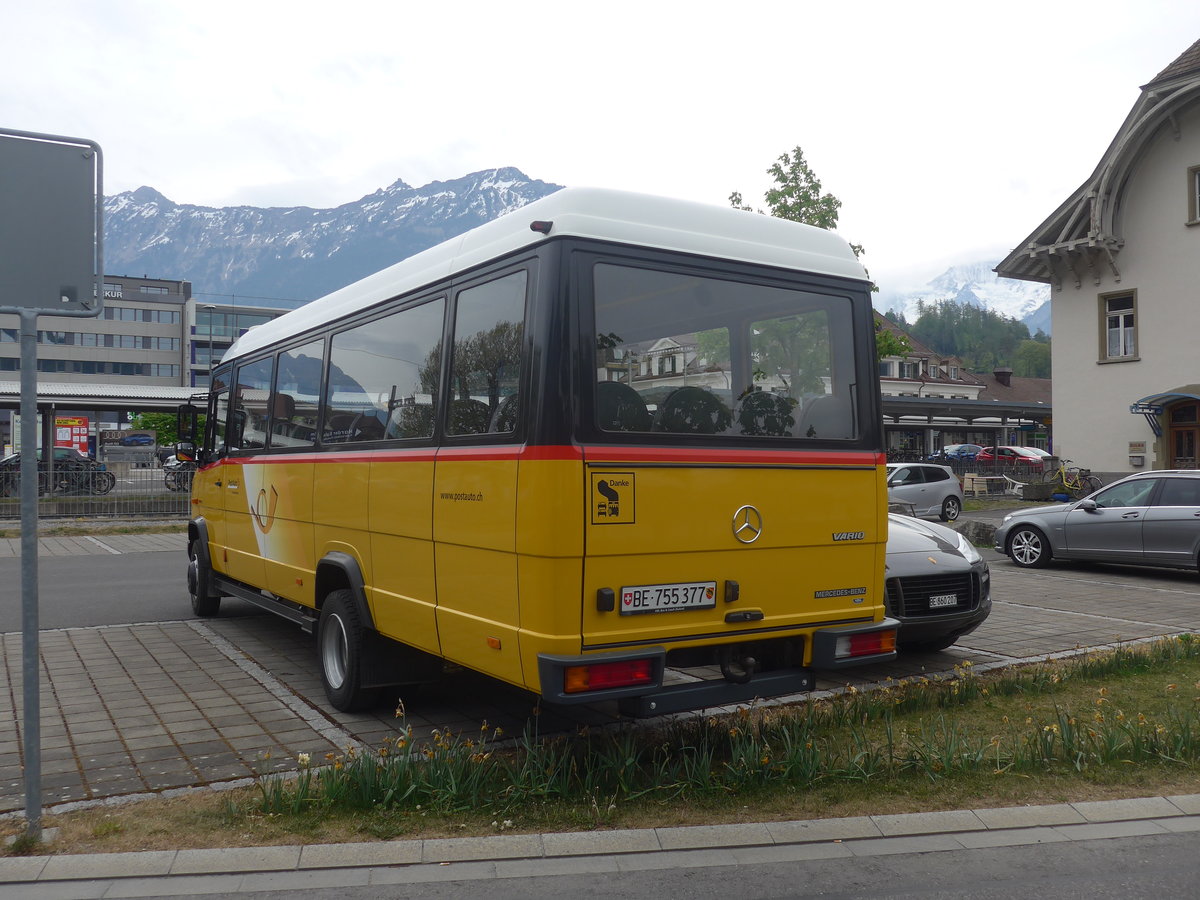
[602, 437]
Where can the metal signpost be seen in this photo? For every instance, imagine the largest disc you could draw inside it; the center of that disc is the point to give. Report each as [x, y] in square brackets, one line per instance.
[51, 264]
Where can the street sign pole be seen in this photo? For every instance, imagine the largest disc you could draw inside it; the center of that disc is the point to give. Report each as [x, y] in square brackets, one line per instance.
[51, 263]
[30, 651]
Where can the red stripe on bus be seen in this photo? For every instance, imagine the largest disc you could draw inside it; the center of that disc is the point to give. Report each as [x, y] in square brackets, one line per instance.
[592, 453]
[708, 455]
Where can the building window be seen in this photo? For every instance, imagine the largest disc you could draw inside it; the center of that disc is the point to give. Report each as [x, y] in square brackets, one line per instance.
[1119, 329]
[1194, 195]
[885, 369]
[153, 289]
[954, 373]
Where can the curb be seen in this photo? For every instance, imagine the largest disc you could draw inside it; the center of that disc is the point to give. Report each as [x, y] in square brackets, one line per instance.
[518, 855]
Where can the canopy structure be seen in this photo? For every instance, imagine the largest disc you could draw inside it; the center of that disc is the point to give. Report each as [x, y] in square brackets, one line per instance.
[1152, 405]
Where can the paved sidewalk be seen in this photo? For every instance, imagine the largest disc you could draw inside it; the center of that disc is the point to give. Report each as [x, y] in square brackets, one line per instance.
[338, 866]
[89, 545]
[175, 707]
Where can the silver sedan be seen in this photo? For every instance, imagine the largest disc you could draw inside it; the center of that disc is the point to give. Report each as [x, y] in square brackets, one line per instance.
[1149, 519]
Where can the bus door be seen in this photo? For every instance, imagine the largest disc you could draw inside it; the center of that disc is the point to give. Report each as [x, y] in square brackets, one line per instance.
[208, 490]
[382, 387]
[280, 489]
[475, 481]
[246, 438]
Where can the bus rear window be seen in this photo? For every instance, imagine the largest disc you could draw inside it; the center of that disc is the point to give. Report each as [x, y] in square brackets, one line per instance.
[684, 353]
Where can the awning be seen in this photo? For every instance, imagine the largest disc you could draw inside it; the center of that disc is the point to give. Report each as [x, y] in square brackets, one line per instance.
[1152, 405]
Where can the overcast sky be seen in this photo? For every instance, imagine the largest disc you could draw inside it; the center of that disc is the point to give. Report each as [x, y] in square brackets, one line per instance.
[949, 130]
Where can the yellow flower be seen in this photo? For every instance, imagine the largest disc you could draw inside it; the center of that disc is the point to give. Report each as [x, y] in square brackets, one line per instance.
[303, 760]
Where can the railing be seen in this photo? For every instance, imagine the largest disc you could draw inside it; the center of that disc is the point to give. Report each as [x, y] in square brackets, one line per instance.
[119, 491]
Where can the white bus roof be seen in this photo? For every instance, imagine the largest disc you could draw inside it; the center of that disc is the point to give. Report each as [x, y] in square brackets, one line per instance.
[616, 216]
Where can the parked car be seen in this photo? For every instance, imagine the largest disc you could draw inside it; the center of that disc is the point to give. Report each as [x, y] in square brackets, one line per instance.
[955, 451]
[925, 488]
[1021, 458]
[938, 585]
[1150, 519]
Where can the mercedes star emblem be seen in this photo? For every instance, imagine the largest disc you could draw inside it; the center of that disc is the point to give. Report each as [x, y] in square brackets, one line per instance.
[747, 524]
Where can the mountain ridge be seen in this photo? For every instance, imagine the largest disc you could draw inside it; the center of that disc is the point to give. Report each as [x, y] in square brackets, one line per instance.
[975, 284]
[290, 255]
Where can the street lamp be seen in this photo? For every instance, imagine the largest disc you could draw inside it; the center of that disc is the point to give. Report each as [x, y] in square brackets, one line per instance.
[210, 307]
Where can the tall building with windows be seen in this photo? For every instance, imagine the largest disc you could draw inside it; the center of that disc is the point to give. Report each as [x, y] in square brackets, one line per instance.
[152, 331]
[137, 338]
[212, 328]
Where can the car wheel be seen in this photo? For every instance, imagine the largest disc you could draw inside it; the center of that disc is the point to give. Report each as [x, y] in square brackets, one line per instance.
[951, 507]
[1028, 548]
[340, 648]
[199, 579]
[929, 646]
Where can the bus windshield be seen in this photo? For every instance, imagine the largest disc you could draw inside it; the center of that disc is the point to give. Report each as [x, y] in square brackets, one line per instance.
[684, 353]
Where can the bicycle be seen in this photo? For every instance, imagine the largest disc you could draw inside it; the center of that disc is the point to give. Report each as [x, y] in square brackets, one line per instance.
[1075, 481]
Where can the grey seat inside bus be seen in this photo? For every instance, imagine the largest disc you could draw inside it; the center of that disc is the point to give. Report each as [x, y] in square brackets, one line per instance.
[469, 417]
[826, 416]
[692, 410]
[620, 408]
[766, 413]
[504, 419]
[410, 422]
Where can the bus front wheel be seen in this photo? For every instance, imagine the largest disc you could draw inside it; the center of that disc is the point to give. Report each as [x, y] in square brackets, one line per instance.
[199, 581]
[340, 637]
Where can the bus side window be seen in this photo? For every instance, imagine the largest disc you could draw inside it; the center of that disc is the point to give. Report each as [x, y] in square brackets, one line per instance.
[486, 366]
[294, 400]
[249, 416]
[384, 375]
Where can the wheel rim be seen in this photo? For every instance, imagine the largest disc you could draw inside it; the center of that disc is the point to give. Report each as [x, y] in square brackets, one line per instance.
[334, 651]
[1026, 547]
[952, 509]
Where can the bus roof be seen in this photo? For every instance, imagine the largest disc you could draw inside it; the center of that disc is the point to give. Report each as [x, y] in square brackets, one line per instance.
[615, 216]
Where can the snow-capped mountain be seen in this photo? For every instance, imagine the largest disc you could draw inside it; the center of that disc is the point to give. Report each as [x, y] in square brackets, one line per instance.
[977, 285]
[300, 253]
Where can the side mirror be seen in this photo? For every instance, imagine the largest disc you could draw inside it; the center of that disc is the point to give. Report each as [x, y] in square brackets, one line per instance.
[186, 418]
[1088, 505]
[185, 451]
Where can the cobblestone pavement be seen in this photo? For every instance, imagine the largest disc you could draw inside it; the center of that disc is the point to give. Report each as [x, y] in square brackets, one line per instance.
[135, 709]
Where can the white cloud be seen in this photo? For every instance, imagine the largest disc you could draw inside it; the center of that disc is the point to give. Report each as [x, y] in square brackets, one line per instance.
[944, 127]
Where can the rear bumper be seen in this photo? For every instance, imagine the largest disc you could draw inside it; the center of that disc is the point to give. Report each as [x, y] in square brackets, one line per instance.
[652, 698]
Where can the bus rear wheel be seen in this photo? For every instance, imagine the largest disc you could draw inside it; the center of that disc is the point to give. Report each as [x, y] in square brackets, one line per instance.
[340, 637]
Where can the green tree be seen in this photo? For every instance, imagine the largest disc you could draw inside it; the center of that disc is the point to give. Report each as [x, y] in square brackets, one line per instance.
[797, 195]
[1032, 359]
[888, 343]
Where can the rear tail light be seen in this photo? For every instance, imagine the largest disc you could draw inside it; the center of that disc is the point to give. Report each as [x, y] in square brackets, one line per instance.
[869, 643]
[601, 675]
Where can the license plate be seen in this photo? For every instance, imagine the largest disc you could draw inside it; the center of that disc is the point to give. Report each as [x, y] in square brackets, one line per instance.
[647, 598]
[937, 601]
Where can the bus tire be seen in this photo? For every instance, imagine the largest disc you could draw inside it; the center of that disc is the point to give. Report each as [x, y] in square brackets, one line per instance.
[199, 579]
[340, 646]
